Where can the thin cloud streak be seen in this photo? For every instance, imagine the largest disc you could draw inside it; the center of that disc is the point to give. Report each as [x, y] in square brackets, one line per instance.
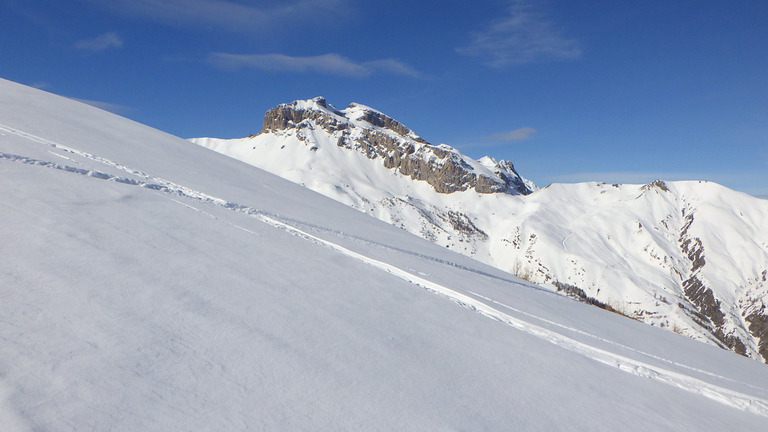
[524, 35]
[41, 85]
[394, 67]
[100, 43]
[222, 14]
[331, 64]
[106, 106]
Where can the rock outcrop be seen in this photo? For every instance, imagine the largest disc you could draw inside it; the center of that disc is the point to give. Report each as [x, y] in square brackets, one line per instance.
[379, 136]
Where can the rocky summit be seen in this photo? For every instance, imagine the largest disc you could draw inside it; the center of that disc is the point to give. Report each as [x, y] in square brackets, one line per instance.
[379, 136]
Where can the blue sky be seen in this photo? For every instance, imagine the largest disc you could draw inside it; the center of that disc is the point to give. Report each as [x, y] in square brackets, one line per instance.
[614, 91]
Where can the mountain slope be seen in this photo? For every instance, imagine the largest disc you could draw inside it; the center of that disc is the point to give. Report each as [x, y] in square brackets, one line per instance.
[149, 284]
[691, 257]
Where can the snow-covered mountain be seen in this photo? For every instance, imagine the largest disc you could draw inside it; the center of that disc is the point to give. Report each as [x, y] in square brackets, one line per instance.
[691, 257]
[149, 284]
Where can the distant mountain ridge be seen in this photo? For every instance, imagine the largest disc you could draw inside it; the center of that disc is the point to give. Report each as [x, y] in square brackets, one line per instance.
[691, 257]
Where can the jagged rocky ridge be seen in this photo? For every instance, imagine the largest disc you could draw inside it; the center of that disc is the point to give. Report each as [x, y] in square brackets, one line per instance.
[396, 145]
[691, 257]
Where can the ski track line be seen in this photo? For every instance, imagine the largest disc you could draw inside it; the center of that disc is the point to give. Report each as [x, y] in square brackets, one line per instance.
[53, 144]
[202, 212]
[620, 345]
[714, 392]
[166, 187]
[361, 240]
[155, 183]
[566, 239]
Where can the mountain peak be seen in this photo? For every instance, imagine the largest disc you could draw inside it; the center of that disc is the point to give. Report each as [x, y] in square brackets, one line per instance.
[317, 102]
[378, 136]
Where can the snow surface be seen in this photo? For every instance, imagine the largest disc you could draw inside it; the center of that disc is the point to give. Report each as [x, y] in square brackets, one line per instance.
[149, 284]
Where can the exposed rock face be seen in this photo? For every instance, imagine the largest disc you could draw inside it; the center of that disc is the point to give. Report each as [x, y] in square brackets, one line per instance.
[709, 313]
[758, 326]
[656, 184]
[506, 171]
[286, 116]
[380, 120]
[756, 312]
[378, 136]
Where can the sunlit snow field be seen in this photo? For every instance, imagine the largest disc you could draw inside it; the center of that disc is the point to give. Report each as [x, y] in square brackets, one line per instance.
[148, 283]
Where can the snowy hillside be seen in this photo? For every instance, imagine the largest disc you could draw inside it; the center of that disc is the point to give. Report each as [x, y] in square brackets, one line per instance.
[149, 284]
[690, 257]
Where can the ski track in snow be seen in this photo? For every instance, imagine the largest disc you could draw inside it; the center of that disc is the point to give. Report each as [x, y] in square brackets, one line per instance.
[337, 233]
[608, 341]
[639, 368]
[566, 239]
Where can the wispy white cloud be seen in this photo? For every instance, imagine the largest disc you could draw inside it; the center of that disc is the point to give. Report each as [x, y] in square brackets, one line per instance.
[518, 134]
[41, 85]
[524, 35]
[100, 43]
[394, 67]
[224, 14]
[331, 64]
[106, 106]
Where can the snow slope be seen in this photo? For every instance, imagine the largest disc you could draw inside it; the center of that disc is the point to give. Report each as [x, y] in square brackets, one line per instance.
[691, 257]
[148, 284]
